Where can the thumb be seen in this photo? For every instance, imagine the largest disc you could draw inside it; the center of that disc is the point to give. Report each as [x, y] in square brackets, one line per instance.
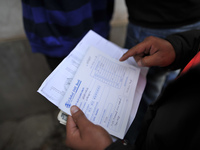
[71, 127]
[79, 117]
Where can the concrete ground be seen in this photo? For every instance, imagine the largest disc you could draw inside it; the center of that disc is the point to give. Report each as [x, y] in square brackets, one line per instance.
[27, 120]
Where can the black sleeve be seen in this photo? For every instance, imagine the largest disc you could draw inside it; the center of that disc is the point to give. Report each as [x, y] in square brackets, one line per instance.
[172, 121]
[186, 45]
[119, 145]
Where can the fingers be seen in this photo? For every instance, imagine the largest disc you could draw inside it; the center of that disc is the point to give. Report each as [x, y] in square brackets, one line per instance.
[152, 51]
[139, 53]
[84, 134]
[148, 61]
[70, 122]
[75, 126]
[71, 126]
[137, 50]
[126, 55]
[79, 118]
[72, 132]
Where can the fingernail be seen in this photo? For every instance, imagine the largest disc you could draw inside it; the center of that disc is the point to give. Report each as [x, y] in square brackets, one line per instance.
[74, 109]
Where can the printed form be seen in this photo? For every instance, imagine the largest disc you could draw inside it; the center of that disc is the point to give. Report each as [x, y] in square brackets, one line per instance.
[57, 83]
[103, 88]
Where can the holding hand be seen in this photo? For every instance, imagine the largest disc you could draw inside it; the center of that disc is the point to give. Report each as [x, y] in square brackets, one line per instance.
[84, 135]
[152, 51]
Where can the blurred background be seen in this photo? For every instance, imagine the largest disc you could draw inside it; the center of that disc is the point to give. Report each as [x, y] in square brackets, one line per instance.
[27, 120]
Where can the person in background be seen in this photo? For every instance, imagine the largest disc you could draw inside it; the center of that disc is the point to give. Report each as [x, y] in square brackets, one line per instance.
[158, 18]
[171, 122]
[54, 28]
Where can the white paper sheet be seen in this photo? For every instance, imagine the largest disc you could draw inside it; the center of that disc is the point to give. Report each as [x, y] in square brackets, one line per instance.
[56, 84]
[103, 88]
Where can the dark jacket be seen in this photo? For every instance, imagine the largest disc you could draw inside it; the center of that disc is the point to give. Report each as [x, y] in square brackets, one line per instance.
[172, 121]
[163, 13]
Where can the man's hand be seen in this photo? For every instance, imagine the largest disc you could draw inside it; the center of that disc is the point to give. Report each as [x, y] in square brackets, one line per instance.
[152, 51]
[81, 134]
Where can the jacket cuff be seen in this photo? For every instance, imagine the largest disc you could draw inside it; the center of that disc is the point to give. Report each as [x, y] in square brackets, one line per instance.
[119, 145]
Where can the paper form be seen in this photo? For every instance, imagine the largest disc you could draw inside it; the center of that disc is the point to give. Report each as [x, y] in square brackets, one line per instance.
[56, 84]
[103, 88]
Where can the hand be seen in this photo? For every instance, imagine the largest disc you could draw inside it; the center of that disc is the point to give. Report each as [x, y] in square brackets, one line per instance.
[81, 134]
[152, 51]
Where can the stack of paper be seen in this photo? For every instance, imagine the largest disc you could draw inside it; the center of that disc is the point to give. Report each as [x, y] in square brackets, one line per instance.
[91, 77]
